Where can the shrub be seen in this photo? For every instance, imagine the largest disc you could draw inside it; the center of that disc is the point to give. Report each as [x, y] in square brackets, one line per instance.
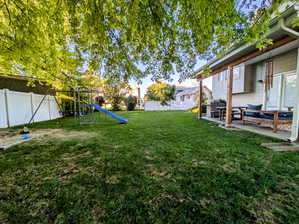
[100, 100]
[115, 103]
[131, 102]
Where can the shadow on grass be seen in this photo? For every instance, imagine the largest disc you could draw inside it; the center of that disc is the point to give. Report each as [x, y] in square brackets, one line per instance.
[160, 168]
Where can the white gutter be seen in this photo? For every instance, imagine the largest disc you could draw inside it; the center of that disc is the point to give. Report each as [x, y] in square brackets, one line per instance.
[288, 30]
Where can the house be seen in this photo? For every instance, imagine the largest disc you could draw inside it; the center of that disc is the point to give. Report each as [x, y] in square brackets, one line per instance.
[185, 99]
[268, 77]
[19, 101]
[179, 89]
[189, 96]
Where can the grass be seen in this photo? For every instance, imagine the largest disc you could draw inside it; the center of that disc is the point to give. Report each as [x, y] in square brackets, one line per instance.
[162, 167]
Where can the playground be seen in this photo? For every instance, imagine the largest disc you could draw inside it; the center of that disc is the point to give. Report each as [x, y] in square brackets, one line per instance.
[79, 104]
[161, 167]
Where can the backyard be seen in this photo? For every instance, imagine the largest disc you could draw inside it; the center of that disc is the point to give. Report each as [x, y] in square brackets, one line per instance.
[161, 167]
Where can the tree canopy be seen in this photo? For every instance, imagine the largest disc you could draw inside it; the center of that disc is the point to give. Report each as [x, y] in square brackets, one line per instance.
[60, 41]
[160, 91]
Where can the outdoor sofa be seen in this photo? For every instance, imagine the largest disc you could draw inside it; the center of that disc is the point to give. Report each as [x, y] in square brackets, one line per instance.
[254, 114]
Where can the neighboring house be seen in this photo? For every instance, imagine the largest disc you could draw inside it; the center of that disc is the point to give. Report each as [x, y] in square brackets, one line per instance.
[268, 77]
[179, 89]
[190, 95]
[18, 101]
[185, 99]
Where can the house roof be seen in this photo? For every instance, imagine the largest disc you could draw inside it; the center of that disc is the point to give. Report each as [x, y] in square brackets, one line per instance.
[242, 49]
[188, 91]
[194, 90]
[19, 83]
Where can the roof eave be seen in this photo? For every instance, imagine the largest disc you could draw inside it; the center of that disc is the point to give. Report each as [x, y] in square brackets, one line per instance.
[289, 13]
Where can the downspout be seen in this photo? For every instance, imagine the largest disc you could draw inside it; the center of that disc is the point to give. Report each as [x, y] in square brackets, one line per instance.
[288, 30]
[295, 128]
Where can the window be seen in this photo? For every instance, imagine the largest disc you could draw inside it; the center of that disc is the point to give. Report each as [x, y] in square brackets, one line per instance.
[188, 97]
[236, 73]
[182, 98]
[225, 75]
[273, 93]
[289, 94]
[282, 92]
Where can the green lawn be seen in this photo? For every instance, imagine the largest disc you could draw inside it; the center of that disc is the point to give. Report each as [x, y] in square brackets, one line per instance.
[162, 167]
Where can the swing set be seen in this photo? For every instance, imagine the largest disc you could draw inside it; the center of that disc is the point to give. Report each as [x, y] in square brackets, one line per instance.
[80, 104]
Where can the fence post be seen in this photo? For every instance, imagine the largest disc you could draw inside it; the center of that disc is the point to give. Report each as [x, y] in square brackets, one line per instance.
[6, 91]
[31, 103]
[200, 100]
[49, 106]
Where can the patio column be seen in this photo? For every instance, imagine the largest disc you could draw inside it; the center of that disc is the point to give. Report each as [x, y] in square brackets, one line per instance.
[229, 104]
[200, 100]
[295, 123]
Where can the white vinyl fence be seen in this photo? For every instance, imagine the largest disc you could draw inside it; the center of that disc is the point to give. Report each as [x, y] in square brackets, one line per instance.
[17, 108]
[172, 105]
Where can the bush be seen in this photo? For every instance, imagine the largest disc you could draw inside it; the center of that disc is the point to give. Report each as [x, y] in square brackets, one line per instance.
[131, 102]
[195, 109]
[100, 100]
[67, 107]
[115, 103]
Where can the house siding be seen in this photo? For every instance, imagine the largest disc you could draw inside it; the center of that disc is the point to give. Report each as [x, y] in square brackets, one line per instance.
[219, 89]
[257, 94]
[21, 85]
[282, 63]
[285, 62]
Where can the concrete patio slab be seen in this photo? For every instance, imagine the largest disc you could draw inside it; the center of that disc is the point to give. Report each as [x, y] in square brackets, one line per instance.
[267, 131]
[282, 147]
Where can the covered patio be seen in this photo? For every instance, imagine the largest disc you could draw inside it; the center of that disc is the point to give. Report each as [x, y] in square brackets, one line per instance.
[262, 130]
[266, 80]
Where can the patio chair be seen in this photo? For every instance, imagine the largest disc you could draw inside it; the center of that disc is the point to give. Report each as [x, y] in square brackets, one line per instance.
[214, 112]
[236, 115]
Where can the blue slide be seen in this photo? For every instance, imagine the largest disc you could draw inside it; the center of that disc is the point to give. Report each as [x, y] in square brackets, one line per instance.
[98, 108]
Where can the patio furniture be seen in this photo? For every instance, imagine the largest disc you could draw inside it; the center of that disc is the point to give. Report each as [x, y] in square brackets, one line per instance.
[237, 110]
[274, 118]
[214, 112]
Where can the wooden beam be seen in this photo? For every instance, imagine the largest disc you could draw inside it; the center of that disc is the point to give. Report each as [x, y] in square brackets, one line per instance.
[229, 104]
[247, 57]
[200, 100]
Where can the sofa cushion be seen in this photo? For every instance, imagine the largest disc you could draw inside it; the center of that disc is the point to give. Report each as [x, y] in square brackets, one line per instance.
[253, 107]
[286, 116]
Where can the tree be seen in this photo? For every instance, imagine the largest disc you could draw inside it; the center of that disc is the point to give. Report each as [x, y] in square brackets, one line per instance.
[160, 91]
[115, 93]
[131, 102]
[60, 41]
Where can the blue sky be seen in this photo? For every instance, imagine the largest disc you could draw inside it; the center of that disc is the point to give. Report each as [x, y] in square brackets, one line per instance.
[189, 82]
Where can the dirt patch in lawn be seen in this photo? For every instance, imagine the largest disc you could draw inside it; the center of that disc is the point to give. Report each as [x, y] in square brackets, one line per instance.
[62, 134]
[12, 139]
